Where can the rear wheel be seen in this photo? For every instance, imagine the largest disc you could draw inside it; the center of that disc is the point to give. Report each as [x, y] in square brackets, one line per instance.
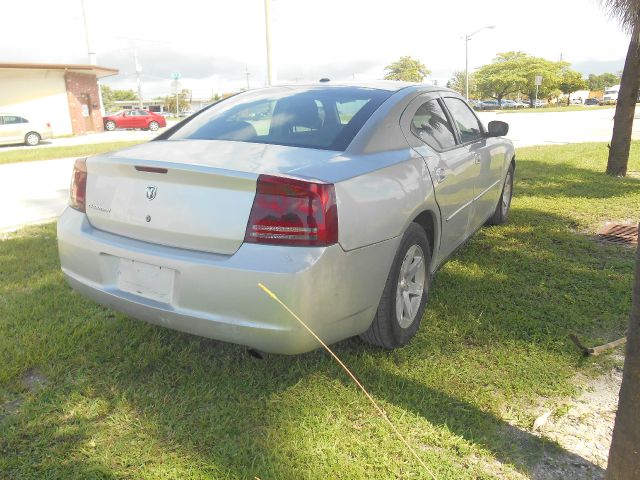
[110, 125]
[405, 294]
[504, 204]
[153, 126]
[32, 139]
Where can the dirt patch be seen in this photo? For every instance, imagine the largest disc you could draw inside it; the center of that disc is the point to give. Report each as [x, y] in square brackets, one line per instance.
[33, 381]
[584, 429]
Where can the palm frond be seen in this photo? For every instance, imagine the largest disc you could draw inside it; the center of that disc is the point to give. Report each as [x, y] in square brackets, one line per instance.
[627, 12]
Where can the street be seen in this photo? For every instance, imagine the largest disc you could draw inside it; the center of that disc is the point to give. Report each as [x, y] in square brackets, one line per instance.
[35, 192]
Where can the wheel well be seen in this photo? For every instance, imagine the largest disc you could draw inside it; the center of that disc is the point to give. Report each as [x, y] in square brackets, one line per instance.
[427, 220]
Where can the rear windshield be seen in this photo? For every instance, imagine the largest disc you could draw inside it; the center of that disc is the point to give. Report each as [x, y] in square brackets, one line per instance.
[316, 117]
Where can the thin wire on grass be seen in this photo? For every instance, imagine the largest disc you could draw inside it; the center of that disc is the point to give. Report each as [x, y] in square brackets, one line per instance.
[353, 377]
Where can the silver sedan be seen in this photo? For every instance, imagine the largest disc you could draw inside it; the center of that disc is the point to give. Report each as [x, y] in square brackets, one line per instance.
[343, 199]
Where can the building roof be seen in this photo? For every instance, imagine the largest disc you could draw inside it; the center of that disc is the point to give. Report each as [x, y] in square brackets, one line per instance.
[96, 70]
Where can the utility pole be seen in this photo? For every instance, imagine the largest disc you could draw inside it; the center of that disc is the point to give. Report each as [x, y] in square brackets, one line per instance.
[246, 74]
[466, 58]
[91, 53]
[138, 72]
[267, 27]
[87, 35]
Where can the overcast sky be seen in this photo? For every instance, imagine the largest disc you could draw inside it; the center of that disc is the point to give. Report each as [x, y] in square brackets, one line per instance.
[211, 43]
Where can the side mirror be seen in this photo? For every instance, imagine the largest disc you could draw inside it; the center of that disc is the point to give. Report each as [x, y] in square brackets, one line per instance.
[497, 129]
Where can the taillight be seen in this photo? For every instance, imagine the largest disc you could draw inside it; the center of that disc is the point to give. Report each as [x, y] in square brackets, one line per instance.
[48, 125]
[78, 189]
[287, 211]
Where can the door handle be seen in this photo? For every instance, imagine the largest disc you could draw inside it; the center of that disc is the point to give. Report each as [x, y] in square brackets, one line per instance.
[477, 158]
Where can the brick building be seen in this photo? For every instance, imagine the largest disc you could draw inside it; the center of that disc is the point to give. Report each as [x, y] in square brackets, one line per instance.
[67, 96]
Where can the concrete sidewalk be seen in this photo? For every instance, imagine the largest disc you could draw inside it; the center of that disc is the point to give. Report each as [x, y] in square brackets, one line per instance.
[91, 138]
[33, 192]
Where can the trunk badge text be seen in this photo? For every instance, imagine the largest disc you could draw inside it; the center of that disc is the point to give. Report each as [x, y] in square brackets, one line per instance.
[151, 192]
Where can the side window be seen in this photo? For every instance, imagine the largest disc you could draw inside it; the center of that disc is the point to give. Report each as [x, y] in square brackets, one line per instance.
[22, 120]
[10, 119]
[430, 124]
[467, 122]
[143, 113]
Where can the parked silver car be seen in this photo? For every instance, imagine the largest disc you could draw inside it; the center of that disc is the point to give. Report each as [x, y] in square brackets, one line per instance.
[342, 199]
[18, 129]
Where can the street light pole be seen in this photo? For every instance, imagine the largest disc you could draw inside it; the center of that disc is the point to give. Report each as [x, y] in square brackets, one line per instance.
[267, 27]
[466, 67]
[466, 58]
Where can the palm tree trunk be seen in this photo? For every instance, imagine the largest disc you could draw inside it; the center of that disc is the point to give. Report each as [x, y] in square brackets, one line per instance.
[624, 455]
[625, 108]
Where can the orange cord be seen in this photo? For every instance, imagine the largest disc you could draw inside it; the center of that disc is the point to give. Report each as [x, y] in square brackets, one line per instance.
[353, 377]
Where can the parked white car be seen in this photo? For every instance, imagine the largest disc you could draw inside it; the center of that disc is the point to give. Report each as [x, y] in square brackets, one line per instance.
[344, 200]
[18, 129]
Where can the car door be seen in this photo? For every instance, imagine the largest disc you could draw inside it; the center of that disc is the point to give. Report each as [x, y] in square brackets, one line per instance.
[128, 119]
[10, 129]
[487, 159]
[142, 119]
[429, 131]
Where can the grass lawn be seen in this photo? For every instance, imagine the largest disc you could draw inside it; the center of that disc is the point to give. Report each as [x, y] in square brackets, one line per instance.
[118, 398]
[48, 153]
[565, 108]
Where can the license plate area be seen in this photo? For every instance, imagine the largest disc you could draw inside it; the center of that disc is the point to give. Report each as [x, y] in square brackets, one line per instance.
[148, 281]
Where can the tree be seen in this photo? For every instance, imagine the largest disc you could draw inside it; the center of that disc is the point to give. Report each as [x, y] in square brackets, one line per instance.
[551, 73]
[601, 82]
[624, 455]
[457, 83]
[503, 77]
[407, 69]
[571, 81]
[628, 12]
[109, 96]
[184, 98]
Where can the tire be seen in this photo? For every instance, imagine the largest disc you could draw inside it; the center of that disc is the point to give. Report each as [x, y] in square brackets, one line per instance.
[394, 325]
[32, 139]
[501, 213]
[110, 125]
[153, 126]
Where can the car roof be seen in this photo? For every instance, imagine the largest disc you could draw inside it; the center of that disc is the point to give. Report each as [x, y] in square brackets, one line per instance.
[389, 85]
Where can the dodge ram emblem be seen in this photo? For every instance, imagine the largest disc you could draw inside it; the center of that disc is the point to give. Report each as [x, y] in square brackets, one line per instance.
[151, 192]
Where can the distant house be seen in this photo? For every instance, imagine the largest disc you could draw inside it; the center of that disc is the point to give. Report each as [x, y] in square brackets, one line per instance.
[65, 95]
[158, 105]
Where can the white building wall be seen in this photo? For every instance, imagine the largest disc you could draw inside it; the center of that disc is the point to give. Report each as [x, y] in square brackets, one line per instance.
[38, 95]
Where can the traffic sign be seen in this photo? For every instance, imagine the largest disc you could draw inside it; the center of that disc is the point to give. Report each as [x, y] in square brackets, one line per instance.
[176, 76]
[538, 79]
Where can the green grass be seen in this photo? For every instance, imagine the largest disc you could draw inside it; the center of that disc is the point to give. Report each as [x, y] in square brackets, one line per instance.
[565, 108]
[124, 399]
[49, 153]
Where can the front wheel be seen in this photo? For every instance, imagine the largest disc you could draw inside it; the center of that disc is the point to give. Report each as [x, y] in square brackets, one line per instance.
[153, 126]
[110, 125]
[32, 139]
[504, 204]
[404, 298]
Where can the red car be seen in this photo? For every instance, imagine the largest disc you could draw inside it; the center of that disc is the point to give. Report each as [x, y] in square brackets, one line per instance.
[136, 118]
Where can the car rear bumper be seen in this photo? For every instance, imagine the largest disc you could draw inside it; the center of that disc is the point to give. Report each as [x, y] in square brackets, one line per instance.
[217, 296]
